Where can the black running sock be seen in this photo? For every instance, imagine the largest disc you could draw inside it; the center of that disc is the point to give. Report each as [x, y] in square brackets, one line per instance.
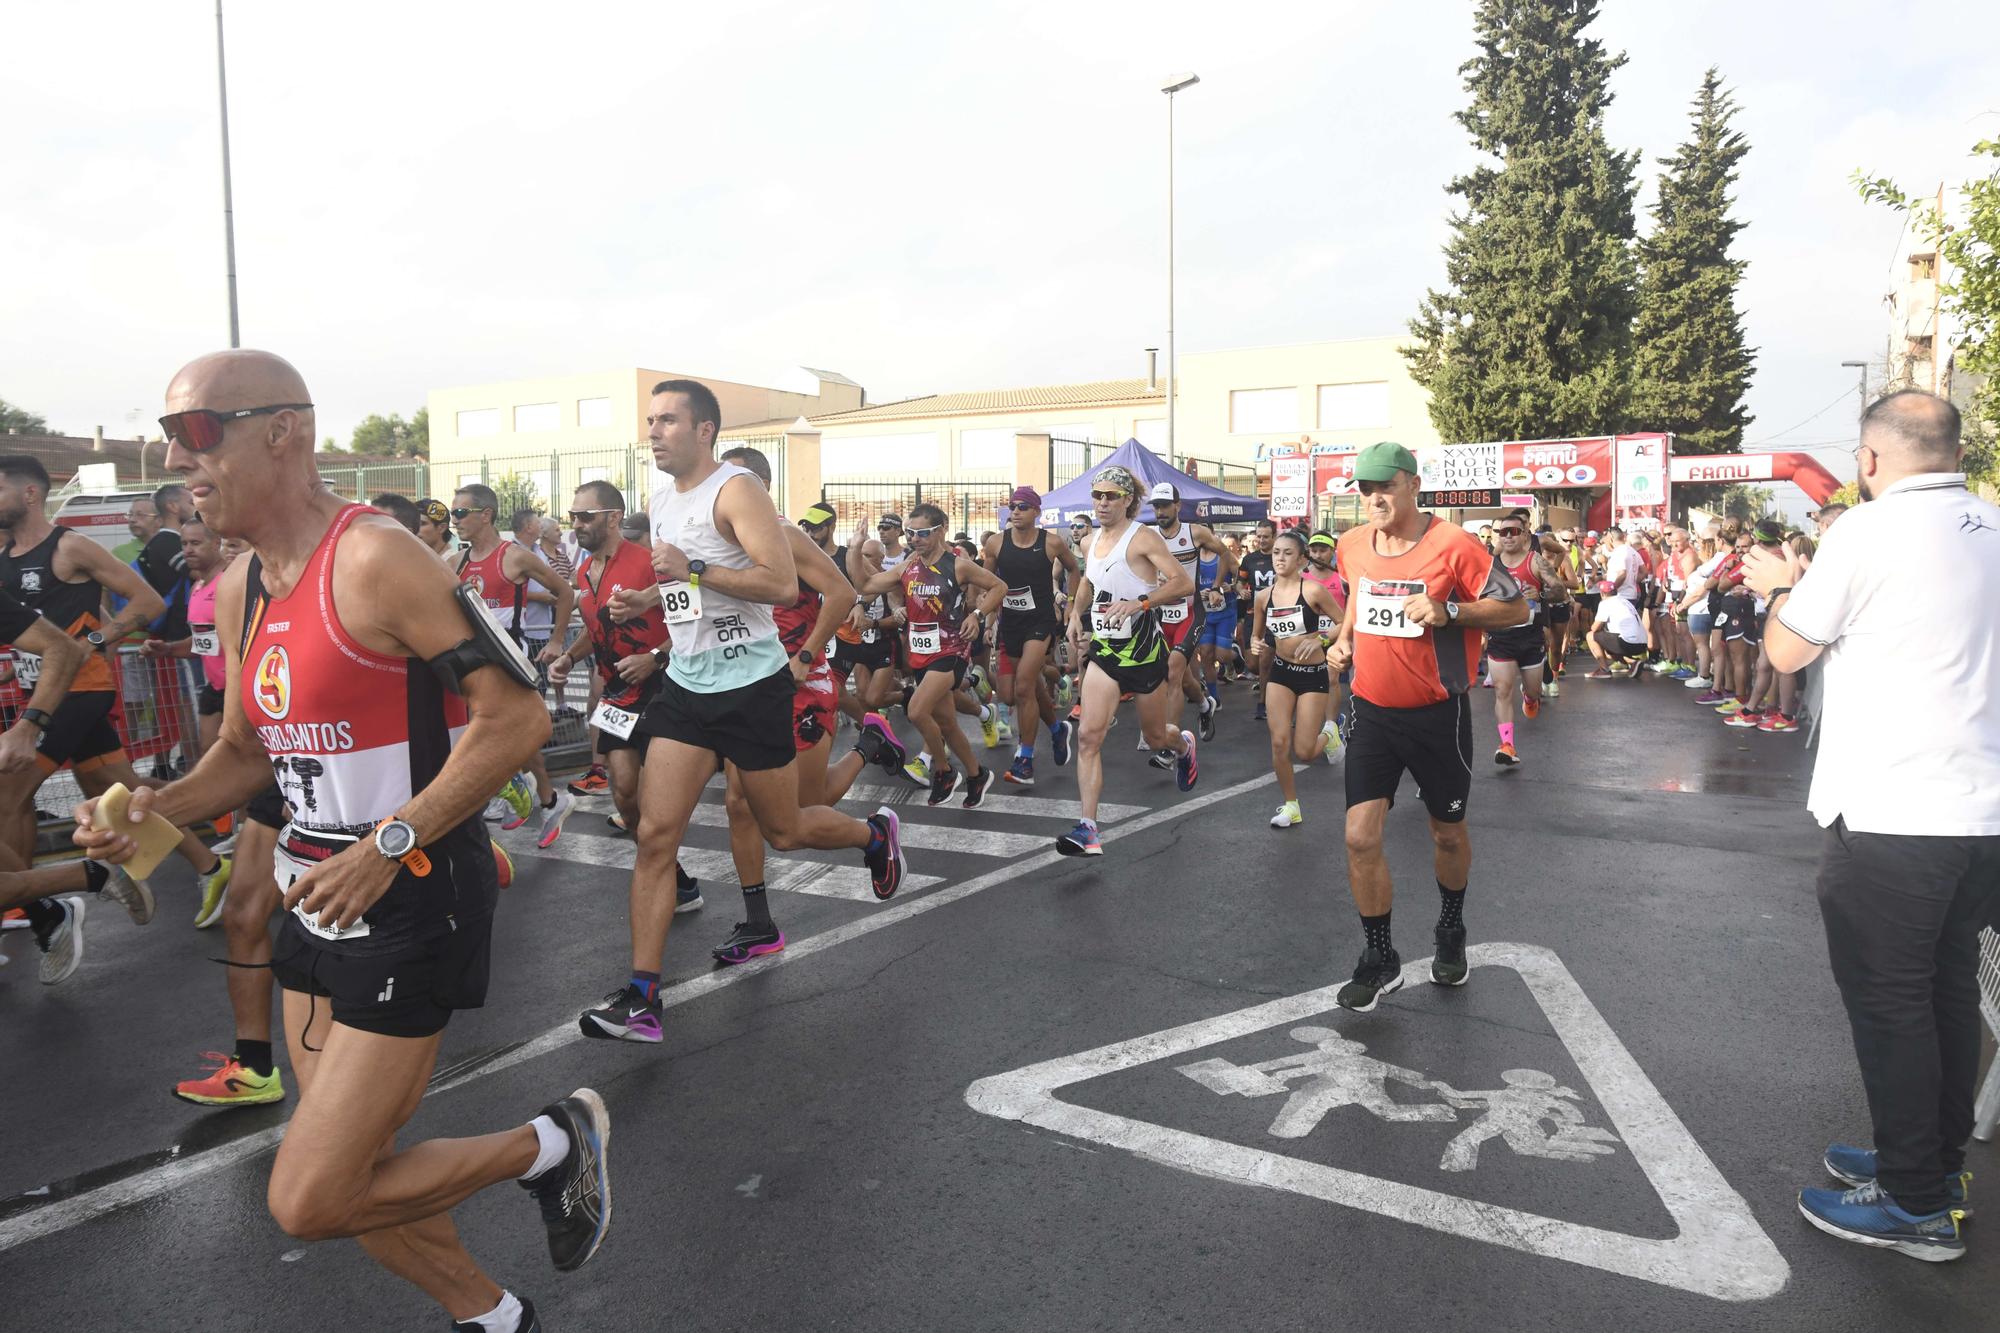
[550, 804]
[1376, 929]
[212, 869]
[44, 915]
[757, 905]
[648, 983]
[95, 875]
[254, 1056]
[1451, 909]
[682, 880]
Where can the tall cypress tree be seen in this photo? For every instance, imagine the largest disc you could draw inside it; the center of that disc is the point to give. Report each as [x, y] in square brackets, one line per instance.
[1690, 366]
[1532, 336]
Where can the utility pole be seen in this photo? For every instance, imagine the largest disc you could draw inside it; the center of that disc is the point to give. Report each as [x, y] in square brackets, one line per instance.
[1170, 87]
[228, 207]
[1861, 403]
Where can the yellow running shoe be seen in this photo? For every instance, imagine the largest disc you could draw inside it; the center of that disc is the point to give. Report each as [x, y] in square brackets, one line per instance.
[989, 726]
[214, 892]
[231, 1083]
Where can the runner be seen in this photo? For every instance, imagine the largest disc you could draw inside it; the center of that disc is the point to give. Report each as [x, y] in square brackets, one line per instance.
[1414, 646]
[65, 577]
[861, 644]
[1518, 653]
[1322, 561]
[499, 571]
[1295, 618]
[866, 559]
[1127, 567]
[434, 526]
[1028, 625]
[1217, 592]
[1558, 607]
[1181, 621]
[932, 591]
[722, 561]
[1257, 575]
[333, 633]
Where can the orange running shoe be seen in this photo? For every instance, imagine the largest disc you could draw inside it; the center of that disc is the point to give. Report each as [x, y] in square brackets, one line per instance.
[1505, 756]
[15, 918]
[1531, 704]
[592, 782]
[230, 1083]
[504, 864]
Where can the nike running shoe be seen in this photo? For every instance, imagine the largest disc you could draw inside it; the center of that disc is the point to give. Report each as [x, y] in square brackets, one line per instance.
[594, 780]
[1505, 756]
[1288, 816]
[687, 891]
[214, 892]
[503, 865]
[879, 746]
[1448, 963]
[552, 820]
[1698, 683]
[1187, 770]
[131, 894]
[975, 788]
[1376, 975]
[1331, 745]
[1745, 718]
[749, 941]
[944, 781]
[1856, 1166]
[1061, 734]
[229, 1082]
[918, 770]
[62, 951]
[989, 727]
[1709, 696]
[1206, 724]
[520, 799]
[575, 1193]
[1728, 706]
[1022, 771]
[1080, 841]
[1531, 707]
[885, 855]
[624, 1015]
[527, 1323]
[1867, 1216]
[1775, 721]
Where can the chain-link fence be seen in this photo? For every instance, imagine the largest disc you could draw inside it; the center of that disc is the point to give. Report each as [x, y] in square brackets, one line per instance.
[971, 507]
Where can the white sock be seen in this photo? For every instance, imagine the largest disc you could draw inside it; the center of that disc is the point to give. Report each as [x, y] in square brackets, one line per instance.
[924, 758]
[502, 1318]
[554, 1147]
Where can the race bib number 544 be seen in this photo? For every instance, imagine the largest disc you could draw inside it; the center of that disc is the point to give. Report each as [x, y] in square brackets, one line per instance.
[1380, 608]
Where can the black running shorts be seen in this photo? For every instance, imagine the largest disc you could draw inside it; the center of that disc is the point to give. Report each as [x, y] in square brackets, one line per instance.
[208, 700]
[407, 994]
[1433, 744]
[1142, 678]
[1298, 679]
[79, 732]
[1526, 646]
[847, 656]
[750, 726]
[1018, 629]
[267, 807]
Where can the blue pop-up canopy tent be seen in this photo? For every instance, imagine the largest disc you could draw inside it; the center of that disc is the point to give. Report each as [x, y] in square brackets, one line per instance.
[1201, 502]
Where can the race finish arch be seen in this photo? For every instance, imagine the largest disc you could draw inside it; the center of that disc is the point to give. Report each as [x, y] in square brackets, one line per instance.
[1630, 477]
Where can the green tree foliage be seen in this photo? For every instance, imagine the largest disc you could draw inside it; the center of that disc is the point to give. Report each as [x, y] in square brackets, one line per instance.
[20, 419]
[516, 492]
[1690, 365]
[393, 437]
[1532, 335]
[1747, 502]
[1968, 242]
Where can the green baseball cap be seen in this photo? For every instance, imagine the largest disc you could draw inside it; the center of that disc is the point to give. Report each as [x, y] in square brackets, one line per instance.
[1382, 461]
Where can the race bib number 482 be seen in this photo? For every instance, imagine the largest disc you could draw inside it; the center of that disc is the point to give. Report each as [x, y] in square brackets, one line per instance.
[1380, 608]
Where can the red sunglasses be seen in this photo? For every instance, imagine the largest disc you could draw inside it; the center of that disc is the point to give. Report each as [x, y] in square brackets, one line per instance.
[201, 429]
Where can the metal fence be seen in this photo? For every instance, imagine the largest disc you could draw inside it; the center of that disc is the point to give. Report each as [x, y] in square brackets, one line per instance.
[970, 506]
[1070, 459]
[545, 482]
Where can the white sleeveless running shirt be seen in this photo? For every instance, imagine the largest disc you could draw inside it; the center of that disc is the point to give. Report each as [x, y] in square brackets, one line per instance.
[732, 642]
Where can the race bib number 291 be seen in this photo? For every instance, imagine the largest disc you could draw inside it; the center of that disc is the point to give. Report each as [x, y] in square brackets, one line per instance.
[1380, 608]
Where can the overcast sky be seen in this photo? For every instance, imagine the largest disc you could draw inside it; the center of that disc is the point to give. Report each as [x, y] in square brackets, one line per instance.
[927, 197]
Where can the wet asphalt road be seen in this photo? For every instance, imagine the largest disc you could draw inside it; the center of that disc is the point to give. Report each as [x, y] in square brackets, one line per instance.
[802, 1152]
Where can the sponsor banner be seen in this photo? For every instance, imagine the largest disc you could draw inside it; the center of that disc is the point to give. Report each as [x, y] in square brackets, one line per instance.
[1460, 467]
[1333, 470]
[1517, 502]
[1641, 471]
[1725, 468]
[1557, 465]
[1291, 487]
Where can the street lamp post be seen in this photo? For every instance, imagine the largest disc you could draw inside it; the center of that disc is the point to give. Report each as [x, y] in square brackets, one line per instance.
[1170, 87]
[228, 207]
[1861, 366]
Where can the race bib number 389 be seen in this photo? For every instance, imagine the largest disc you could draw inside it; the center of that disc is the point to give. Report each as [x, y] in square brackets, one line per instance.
[1379, 609]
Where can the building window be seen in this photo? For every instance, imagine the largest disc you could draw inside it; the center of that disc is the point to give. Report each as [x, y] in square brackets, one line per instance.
[1263, 411]
[479, 421]
[537, 417]
[1921, 347]
[1923, 268]
[593, 411]
[1354, 406]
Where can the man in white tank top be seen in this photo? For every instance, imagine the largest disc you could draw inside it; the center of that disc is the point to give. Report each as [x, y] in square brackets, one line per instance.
[1128, 573]
[723, 561]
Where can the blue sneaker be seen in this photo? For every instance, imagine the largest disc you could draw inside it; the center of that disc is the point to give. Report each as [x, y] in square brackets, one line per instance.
[1060, 736]
[1867, 1216]
[1681, 673]
[1856, 1166]
[1080, 841]
[1022, 771]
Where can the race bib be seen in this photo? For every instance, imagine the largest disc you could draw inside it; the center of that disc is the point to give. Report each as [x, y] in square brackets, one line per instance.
[207, 643]
[1327, 625]
[1112, 628]
[1018, 599]
[288, 868]
[1174, 614]
[926, 640]
[680, 602]
[27, 668]
[618, 721]
[1381, 608]
[1286, 624]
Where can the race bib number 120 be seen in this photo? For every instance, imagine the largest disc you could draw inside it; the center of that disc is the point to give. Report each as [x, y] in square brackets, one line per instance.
[1381, 608]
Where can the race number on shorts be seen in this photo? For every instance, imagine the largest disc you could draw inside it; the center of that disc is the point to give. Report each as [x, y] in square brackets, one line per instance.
[617, 721]
[1381, 608]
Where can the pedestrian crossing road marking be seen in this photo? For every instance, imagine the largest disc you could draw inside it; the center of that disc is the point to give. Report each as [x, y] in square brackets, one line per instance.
[1719, 1250]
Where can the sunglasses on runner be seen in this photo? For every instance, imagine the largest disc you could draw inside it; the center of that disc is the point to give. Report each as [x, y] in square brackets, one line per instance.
[1508, 532]
[200, 429]
[461, 513]
[579, 517]
[918, 534]
[1019, 505]
[1109, 497]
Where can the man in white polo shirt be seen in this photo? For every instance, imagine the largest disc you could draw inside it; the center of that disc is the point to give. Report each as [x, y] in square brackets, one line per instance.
[1903, 593]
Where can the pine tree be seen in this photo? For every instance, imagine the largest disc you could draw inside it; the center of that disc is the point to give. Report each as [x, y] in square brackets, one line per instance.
[1532, 336]
[1690, 367]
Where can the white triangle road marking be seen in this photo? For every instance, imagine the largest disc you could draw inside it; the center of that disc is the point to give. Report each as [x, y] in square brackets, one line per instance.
[1719, 1251]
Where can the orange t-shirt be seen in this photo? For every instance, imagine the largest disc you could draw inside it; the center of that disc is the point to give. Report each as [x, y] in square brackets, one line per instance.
[1430, 665]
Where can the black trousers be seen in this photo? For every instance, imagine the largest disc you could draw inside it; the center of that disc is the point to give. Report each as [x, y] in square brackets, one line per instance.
[1902, 916]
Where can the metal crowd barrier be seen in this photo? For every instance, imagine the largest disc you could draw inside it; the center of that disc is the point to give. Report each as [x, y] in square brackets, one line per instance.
[1986, 1110]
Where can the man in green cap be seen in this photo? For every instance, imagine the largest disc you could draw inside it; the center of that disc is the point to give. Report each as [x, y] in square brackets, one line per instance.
[1420, 592]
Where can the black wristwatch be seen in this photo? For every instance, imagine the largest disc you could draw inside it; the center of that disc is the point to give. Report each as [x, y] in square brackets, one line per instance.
[94, 639]
[696, 568]
[1776, 593]
[805, 656]
[660, 657]
[37, 716]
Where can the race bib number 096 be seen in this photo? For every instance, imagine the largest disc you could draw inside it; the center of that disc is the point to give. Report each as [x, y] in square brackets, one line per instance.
[680, 602]
[1381, 608]
[1018, 599]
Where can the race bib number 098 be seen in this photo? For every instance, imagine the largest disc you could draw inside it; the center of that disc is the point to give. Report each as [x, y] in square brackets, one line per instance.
[926, 640]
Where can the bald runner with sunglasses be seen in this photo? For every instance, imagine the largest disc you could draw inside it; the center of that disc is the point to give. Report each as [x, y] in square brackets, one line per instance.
[390, 708]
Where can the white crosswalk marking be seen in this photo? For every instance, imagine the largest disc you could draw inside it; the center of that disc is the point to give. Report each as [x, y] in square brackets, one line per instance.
[998, 802]
[953, 837]
[780, 872]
